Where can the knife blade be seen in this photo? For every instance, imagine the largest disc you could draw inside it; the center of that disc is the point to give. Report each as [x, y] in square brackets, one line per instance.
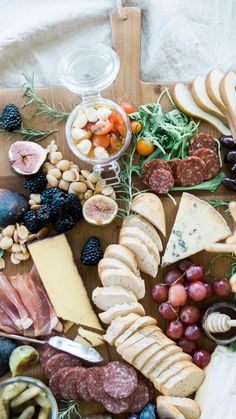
[75, 348]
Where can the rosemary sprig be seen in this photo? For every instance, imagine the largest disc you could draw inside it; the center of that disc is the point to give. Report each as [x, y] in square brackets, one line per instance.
[30, 134]
[220, 203]
[70, 410]
[42, 105]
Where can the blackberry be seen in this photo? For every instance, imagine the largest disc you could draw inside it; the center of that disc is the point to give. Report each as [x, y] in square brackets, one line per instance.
[61, 205]
[11, 117]
[36, 183]
[31, 221]
[49, 194]
[44, 214]
[61, 225]
[92, 251]
[75, 206]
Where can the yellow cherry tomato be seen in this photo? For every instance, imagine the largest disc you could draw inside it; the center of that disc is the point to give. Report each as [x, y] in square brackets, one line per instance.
[135, 127]
[144, 147]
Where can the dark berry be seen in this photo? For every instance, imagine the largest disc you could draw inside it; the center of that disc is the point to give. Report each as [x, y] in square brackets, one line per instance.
[31, 221]
[49, 194]
[75, 206]
[92, 251]
[11, 117]
[35, 183]
[44, 214]
[63, 224]
[60, 205]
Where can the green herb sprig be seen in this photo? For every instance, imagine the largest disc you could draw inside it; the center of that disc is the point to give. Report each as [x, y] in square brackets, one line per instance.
[220, 203]
[42, 106]
[30, 134]
[70, 410]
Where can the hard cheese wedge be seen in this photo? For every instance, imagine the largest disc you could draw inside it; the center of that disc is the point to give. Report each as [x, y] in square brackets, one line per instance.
[54, 261]
[197, 224]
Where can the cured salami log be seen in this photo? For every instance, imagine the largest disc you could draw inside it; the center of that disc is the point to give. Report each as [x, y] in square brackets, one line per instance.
[54, 381]
[211, 161]
[152, 165]
[119, 380]
[202, 140]
[191, 171]
[81, 385]
[140, 397]
[174, 163]
[60, 360]
[116, 406]
[46, 354]
[68, 383]
[94, 380]
[161, 181]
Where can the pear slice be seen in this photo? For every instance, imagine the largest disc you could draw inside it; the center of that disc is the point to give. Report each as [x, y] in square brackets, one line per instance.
[213, 80]
[184, 100]
[228, 94]
[200, 96]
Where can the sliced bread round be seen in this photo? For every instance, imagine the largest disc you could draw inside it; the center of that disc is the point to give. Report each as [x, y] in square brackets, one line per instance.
[111, 263]
[166, 410]
[134, 327]
[137, 233]
[107, 297]
[123, 254]
[118, 326]
[124, 278]
[121, 310]
[145, 226]
[188, 407]
[185, 383]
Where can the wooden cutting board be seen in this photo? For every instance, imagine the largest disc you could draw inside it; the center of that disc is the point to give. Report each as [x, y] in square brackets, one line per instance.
[126, 36]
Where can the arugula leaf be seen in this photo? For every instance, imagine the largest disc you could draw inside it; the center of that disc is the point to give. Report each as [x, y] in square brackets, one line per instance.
[209, 185]
[232, 346]
[220, 203]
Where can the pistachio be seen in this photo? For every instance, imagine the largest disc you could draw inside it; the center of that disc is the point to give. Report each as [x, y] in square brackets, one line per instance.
[85, 173]
[90, 185]
[68, 175]
[55, 172]
[2, 263]
[23, 232]
[52, 180]
[55, 157]
[64, 185]
[88, 194]
[16, 248]
[22, 256]
[107, 191]
[9, 230]
[76, 173]
[93, 177]
[6, 243]
[14, 260]
[48, 166]
[81, 196]
[63, 165]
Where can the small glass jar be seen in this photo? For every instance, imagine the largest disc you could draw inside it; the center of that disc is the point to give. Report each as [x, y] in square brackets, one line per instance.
[87, 72]
[224, 307]
[38, 383]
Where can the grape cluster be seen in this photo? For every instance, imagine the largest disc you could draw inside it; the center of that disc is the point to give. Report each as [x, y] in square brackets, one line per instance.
[187, 282]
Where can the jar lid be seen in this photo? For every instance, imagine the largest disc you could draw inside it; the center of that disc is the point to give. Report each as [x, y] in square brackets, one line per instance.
[89, 69]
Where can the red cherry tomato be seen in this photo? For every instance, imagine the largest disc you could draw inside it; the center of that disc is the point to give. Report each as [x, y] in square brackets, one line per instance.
[101, 141]
[102, 127]
[127, 107]
[114, 142]
[118, 123]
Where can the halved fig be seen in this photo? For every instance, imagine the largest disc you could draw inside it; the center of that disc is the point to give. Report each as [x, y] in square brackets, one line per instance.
[26, 158]
[100, 210]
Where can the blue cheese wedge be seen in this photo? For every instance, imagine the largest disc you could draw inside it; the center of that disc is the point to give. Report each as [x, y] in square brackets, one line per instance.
[197, 225]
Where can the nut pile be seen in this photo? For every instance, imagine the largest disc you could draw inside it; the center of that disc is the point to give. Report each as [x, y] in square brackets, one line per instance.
[67, 176]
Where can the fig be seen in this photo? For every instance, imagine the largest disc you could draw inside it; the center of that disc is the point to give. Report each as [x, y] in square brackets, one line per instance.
[12, 207]
[100, 210]
[23, 358]
[26, 158]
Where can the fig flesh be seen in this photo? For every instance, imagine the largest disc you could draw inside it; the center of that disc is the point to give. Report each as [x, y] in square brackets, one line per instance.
[12, 207]
[26, 158]
[100, 210]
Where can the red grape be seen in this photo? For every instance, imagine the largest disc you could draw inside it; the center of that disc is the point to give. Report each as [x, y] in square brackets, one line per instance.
[174, 329]
[197, 291]
[190, 314]
[173, 276]
[167, 311]
[221, 287]
[209, 289]
[185, 264]
[160, 293]
[201, 357]
[195, 272]
[188, 346]
[192, 332]
[177, 295]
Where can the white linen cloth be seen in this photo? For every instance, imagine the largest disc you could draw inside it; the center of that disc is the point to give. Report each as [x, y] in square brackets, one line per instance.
[180, 38]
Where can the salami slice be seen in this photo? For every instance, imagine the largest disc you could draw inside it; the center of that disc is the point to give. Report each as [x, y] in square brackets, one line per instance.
[202, 140]
[81, 385]
[46, 354]
[94, 380]
[152, 165]
[68, 383]
[211, 161]
[116, 406]
[54, 381]
[191, 171]
[140, 397]
[161, 181]
[174, 163]
[60, 360]
[120, 379]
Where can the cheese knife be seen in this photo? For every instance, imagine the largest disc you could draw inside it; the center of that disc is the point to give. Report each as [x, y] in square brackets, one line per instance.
[62, 344]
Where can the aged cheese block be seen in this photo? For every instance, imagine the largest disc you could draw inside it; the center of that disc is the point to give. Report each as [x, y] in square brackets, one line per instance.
[54, 261]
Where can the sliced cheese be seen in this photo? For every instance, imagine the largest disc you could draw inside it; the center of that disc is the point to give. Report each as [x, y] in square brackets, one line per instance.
[138, 324]
[121, 310]
[124, 278]
[83, 341]
[150, 207]
[55, 264]
[145, 226]
[197, 224]
[94, 338]
[118, 326]
[137, 233]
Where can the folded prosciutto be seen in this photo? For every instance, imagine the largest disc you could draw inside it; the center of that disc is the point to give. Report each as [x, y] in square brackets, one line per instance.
[24, 306]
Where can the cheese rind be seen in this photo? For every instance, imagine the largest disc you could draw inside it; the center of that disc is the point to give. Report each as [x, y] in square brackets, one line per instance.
[54, 261]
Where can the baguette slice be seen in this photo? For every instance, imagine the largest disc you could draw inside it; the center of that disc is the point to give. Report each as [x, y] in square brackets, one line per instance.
[170, 372]
[146, 261]
[148, 354]
[185, 383]
[150, 207]
[160, 355]
[168, 362]
[107, 297]
[121, 310]
[152, 334]
[133, 351]
[123, 254]
[138, 324]
[118, 326]
[166, 410]
[188, 407]
[137, 233]
[145, 226]
[124, 278]
[111, 263]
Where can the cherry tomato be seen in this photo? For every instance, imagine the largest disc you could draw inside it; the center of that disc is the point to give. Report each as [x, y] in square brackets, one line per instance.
[135, 127]
[101, 141]
[118, 123]
[89, 134]
[102, 127]
[144, 147]
[127, 107]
